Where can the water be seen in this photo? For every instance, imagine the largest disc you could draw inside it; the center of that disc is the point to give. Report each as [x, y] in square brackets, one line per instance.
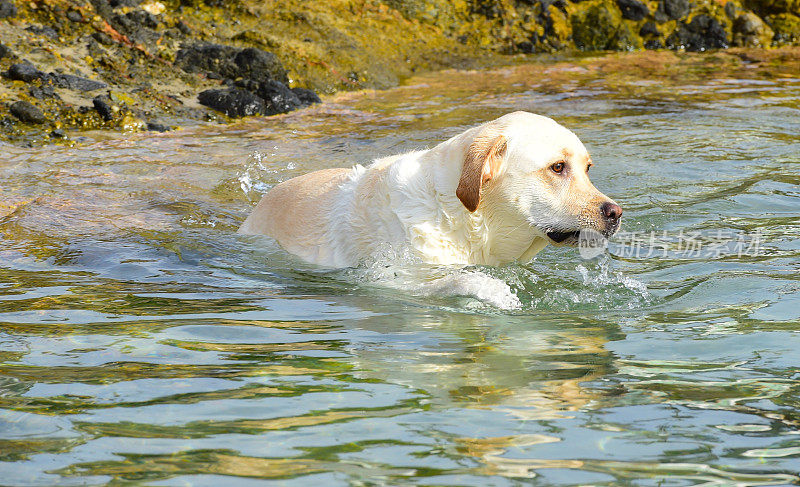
[142, 341]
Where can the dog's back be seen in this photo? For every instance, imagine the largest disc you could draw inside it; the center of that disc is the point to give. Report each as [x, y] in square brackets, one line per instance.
[293, 212]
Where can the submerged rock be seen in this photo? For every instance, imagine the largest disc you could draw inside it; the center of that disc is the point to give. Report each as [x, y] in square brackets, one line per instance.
[248, 97]
[702, 33]
[27, 112]
[233, 102]
[158, 127]
[306, 96]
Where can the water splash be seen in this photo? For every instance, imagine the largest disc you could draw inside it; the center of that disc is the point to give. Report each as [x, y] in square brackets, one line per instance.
[518, 288]
[589, 284]
[254, 177]
[399, 269]
[605, 277]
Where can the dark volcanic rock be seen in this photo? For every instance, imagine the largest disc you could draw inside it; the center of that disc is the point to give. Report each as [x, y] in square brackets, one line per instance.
[633, 9]
[185, 29]
[259, 65]
[7, 9]
[233, 102]
[277, 97]
[103, 8]
[5, 51]
[158, 127]
[40, 93]
[27, 72]
[43, 30]
[672, 9]
[766, 7]
[74, 16]
[207, 57]
[649, 29]
[306, 96]
[103, 38]
[141, 17]
[702, 33]
[653, 44]
[230, 62]
[103, 106]
[27, 112]
[72, 82]
[731, 10]
[138, 25]
[526, 47]
[247, 97]
[24, 71]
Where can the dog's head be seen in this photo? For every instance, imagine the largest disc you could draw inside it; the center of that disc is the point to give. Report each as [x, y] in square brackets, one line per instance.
[525, 168]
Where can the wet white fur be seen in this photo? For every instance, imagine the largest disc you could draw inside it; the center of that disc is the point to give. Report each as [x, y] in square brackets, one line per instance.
[409, 202]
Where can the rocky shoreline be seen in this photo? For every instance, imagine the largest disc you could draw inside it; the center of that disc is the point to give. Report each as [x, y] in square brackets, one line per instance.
[68, 65]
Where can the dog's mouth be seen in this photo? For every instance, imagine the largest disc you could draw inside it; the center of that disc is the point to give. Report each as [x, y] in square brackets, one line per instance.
[580, 236]
[559, 236]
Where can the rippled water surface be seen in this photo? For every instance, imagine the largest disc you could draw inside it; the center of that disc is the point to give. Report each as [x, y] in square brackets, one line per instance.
[142, 341]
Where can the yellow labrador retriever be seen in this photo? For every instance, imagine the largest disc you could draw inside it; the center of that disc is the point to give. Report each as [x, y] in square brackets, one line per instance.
[497, 193]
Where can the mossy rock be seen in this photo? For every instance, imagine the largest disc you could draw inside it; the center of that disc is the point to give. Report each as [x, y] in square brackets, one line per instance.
[628, 38]
[436, 12]
[750, 31]
[598, 25]
[560, 27]
[716, 11]
[786, 27]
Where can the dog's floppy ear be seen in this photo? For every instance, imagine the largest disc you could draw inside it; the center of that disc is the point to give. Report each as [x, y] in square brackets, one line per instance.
[483, 161]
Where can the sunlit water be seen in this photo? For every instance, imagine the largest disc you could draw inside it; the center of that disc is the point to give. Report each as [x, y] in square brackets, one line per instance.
[142, 340]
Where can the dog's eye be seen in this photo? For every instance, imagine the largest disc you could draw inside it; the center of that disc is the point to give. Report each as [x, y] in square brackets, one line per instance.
[558, 167]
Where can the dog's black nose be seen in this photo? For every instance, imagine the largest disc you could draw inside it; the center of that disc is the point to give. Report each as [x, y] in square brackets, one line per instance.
[611, 211]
